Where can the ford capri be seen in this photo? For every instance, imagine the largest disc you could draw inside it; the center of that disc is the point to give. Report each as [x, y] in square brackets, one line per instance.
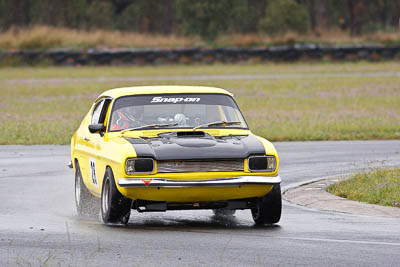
[160, 148]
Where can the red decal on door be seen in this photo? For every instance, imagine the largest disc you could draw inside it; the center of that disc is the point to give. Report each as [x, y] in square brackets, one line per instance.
[146, 181]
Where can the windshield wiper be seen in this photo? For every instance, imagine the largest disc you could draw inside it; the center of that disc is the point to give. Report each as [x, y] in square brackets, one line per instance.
[223, 123]
[149, 126]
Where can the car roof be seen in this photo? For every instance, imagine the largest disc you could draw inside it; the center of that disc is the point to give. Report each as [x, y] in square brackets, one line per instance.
[162, 89]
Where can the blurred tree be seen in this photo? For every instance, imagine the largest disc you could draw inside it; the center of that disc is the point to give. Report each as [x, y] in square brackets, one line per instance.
[387, 11]
[71, 13]
[283, 16]
[14, 13]
[100, 15]
[120, 5]
[168, 17]
[207, 18]
[142, 16]
[247, 15]
[312, 14]
[339, 14]
[48, 12]
[356, 7]
[319, 14]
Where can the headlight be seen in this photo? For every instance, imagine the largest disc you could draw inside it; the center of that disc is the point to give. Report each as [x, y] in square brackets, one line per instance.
[262, 163]
[139, 165]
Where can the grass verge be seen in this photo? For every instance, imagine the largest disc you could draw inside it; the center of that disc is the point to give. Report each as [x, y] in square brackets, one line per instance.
[380, 187]
[317, 68]
[301, 107]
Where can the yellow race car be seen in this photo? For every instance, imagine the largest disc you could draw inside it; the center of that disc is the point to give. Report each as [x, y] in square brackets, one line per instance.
[159, 148]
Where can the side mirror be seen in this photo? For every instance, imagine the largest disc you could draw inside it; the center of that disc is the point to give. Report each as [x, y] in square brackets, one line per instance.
[96, 128]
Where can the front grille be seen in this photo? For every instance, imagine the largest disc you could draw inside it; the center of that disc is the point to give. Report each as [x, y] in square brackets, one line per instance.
[215, 165]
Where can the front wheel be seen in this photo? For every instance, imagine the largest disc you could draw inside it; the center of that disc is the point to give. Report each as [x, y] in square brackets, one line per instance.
[268, 208]
[115, 208]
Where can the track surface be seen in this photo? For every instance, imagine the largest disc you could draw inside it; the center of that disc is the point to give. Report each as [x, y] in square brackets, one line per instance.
[39, 225]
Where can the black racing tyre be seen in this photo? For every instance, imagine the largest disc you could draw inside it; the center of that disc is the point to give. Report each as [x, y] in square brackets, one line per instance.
[115, 208]
[86, 203]
[224, 212]
[268, 208]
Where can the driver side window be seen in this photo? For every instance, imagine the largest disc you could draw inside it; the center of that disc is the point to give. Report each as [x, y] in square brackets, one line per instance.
[96, 112]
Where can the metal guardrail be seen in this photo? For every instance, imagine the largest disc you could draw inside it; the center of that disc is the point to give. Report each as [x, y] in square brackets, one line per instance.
[197, 55]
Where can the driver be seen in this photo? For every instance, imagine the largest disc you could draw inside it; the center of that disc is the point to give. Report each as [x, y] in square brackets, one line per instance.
[127, 117]
[181, 120]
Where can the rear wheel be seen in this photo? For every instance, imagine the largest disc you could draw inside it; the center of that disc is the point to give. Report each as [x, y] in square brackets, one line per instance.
[115, 208]
[268, 208]
[86, 203]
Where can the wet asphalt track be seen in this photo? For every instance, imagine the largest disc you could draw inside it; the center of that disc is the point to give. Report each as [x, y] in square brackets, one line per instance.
[39, 225]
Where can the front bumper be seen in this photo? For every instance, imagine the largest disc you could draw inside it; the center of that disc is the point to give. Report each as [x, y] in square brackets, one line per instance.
[233, 181]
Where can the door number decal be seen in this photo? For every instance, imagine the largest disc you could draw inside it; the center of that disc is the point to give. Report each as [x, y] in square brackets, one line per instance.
[93, 171]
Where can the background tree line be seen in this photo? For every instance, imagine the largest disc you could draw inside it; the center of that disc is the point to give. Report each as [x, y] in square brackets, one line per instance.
[207, 18]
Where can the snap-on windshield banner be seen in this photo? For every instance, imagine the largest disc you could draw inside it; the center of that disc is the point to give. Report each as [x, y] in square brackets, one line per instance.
[174, 99]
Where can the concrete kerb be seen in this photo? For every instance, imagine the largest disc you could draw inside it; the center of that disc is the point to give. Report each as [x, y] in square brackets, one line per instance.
[312, 194]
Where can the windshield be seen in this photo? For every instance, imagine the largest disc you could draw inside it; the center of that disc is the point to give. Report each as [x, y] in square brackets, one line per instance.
[175, 111]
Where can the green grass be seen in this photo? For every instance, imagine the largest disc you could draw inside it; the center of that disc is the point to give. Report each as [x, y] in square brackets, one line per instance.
[380, 187]
[124, 71]
[310, 107]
